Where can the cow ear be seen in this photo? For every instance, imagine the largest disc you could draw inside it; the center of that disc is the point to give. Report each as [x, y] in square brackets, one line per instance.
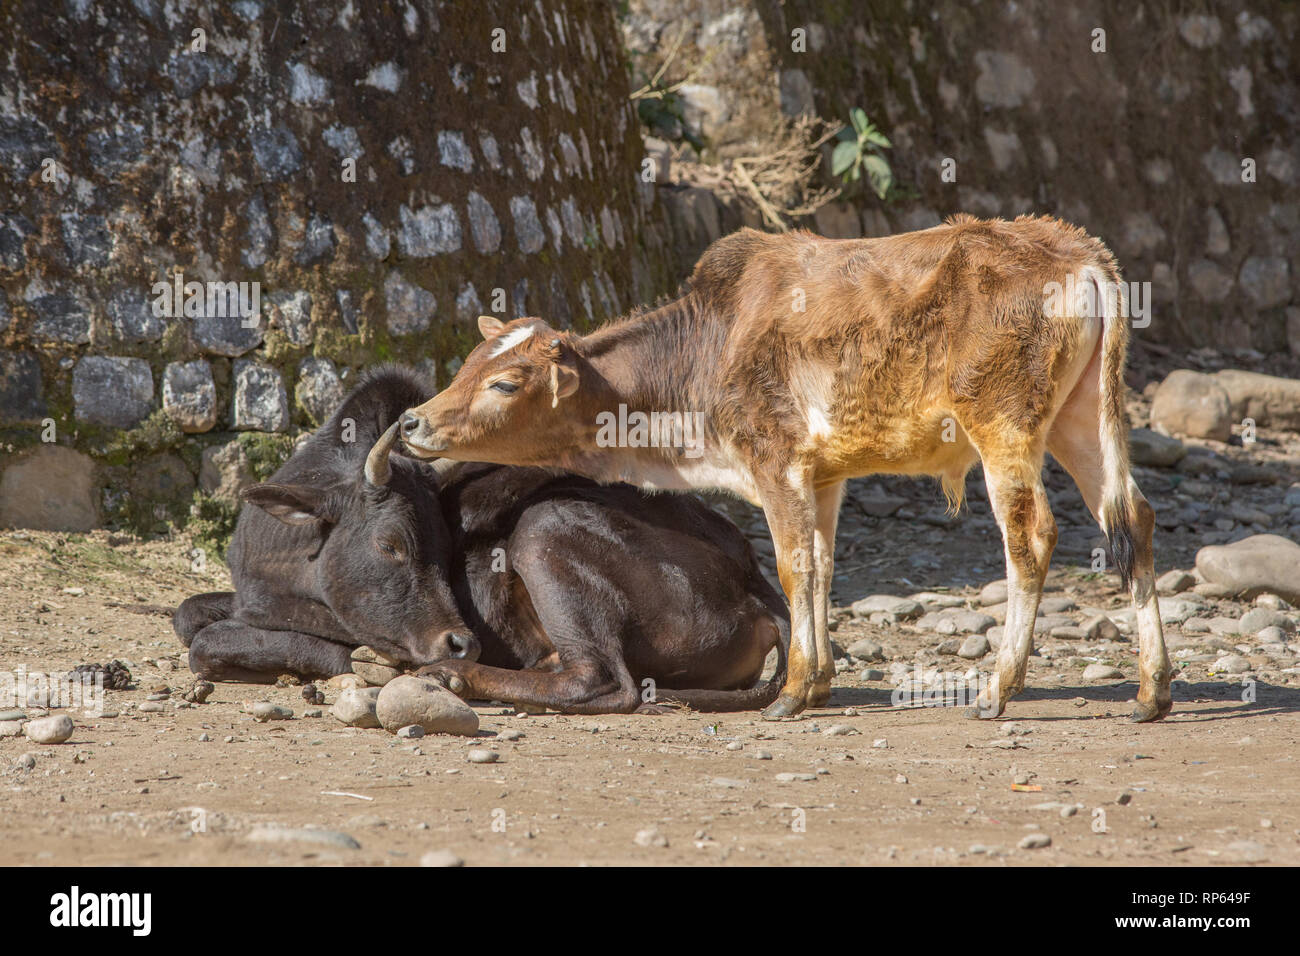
[292, 504]
[490, 326]
[564, 380]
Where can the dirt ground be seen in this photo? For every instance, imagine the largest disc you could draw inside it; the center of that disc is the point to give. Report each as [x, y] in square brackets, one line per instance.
[1217, 782]
[861, 781]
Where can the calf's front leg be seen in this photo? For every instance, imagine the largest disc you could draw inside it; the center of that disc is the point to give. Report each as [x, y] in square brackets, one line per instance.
[583, 688]
[791, 516]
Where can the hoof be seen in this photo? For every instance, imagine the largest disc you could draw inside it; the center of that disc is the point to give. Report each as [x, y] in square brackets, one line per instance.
[983, 712]
[783, 706]
[656, 709]
[1149, 713]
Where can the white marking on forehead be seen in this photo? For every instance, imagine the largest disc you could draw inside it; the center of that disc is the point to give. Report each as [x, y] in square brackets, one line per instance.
[511, 339]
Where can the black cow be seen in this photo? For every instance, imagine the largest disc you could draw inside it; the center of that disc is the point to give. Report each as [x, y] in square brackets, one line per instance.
[518, 584]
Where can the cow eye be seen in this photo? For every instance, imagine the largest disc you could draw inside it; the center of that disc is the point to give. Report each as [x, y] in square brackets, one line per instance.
[507, 387]
[391, 548]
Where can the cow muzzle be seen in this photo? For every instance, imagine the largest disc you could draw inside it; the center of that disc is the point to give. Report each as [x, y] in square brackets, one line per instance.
[457, 644]
[419, 437]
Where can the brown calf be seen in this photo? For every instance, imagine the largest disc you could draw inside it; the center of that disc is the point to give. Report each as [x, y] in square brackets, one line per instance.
[796, 362]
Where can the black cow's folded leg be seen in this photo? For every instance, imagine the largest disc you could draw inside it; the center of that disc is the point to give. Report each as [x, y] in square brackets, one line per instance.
[231, 650]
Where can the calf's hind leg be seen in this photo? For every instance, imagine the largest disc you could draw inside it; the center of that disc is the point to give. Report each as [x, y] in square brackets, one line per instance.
[1029, 536]
[1074, 443]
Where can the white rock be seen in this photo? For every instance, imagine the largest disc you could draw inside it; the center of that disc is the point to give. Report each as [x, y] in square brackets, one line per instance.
[49, 730]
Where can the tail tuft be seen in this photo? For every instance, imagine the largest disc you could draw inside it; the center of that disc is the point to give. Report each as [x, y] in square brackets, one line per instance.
[1119, 536]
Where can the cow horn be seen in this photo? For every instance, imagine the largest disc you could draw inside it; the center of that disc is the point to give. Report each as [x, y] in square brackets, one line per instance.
[378, 468]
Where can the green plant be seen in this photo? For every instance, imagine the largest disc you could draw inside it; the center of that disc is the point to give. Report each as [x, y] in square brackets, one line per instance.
[859, 151]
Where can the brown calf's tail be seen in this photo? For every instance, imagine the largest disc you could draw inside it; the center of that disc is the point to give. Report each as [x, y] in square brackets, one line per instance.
[725, 701]
[1117, 514]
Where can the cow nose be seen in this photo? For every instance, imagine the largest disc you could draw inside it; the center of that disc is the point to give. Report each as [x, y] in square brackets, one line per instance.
[462, 645]
[410, 424]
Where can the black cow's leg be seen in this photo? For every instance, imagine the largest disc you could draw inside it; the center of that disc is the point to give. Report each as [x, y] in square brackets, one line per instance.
[196, 613]
[231, 650]
[582, 688]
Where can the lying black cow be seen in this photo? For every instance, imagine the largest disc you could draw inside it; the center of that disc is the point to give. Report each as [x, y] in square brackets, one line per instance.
[516, 584]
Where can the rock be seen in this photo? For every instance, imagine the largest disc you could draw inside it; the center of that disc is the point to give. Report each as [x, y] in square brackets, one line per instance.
[867, 650]
[840, 730]
[50, 488]
[441, 858]
[11, 728]
[276, 834]
[374, 668]
[1101, 628]
[969, 622]
[412, 732]
[21, 388]
[356, 707]
[319, 390]
[224, 471]
[1174, 582]
[1269, 400]
[1192, 403]
[7, 715]
[1035, 841]
[482, 756]
[871, 674]
[26, 761]
[650, 838]
[1231, 664]
[995, 592]
[410, 308]
[1102, 672]
[291, 314]
[1150, 448]
[1004, 79]
[1175, 610]
[1267, 281]
[902, 609]
[113, 391]
[948, 648]
[260, 402]
[1056, 605]
[264, 711]
[409, 700]
[1259, 618]
[151, 707]
[1254, 565]
[231, 334]
[49, 730]
[974, 647]
[190, 395]
[1271, 635]
[796, 777]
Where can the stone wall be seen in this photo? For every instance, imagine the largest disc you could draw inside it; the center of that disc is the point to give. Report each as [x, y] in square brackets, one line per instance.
[1142, 144]
[376, 173]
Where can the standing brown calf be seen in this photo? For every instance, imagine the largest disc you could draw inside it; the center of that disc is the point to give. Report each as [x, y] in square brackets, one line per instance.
[806, 361]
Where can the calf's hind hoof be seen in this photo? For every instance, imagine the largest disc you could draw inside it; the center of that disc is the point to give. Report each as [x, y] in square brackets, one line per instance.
[982, 711]
[783, 706]
[1149, 713]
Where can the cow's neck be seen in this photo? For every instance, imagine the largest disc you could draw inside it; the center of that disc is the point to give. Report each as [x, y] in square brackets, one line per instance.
[662, 363]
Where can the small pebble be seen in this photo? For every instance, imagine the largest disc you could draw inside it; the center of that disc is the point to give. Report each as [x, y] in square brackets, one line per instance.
[483, 756]
[264, 711]
[762, 755]
[151, 707]
[735, 745]
[411, 732]
[1035, 841]
[650, 837]
[1124, 799]
[440, 857]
